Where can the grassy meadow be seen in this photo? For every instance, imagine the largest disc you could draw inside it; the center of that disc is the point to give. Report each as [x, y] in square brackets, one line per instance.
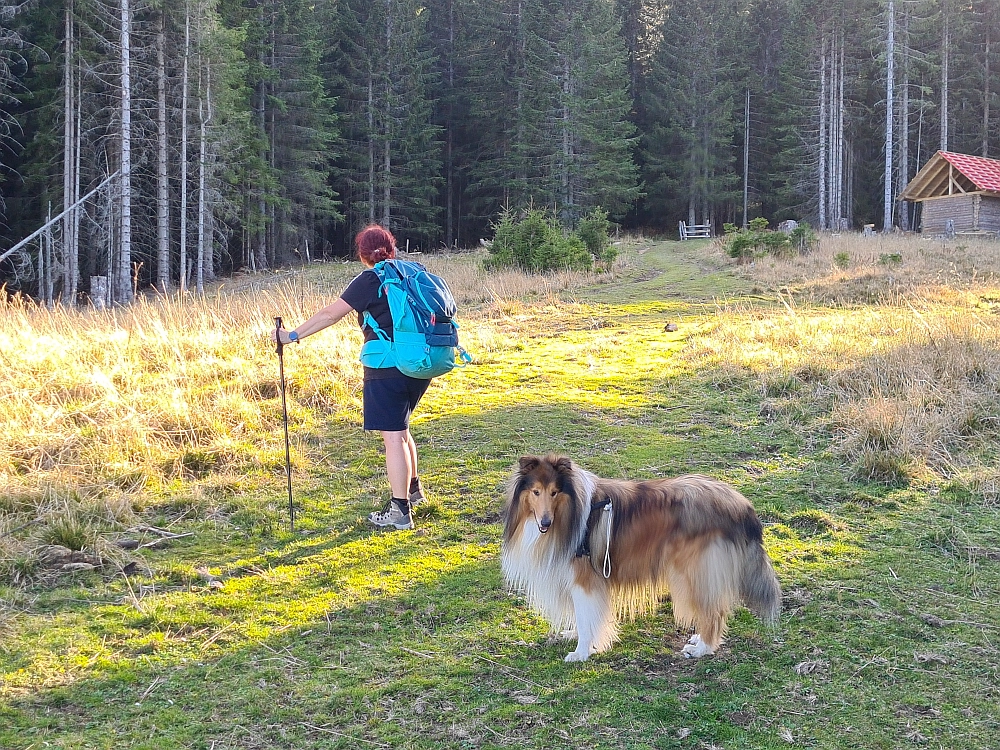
[152, 596]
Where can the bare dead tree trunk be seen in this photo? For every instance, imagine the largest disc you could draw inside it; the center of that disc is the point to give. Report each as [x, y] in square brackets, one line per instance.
[386, 152]
[945, 59]
[162, 178]
[185, 74]
[904, 128]
[835, 125]
[567, 145]
[70, 258]
[46, 283]
[890, 74]
[371, 145]
[449, 160]
[986, 89]
[522, 62]
[920, 123]
[838, 155]
[387, 185]
[77, 140]
[272, 226]
[849, 181]
[123, 292]
[835, 128]
[822, 134]
[204, 256]
[209, 210]
[260, 246]
[746, 159]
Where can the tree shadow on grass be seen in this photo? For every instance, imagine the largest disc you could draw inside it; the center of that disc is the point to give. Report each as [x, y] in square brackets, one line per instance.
[401, 639]
[349, 637]
[448, 661]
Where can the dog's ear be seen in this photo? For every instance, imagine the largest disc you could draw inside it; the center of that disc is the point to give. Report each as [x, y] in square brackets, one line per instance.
[528, 463]
[563, 466]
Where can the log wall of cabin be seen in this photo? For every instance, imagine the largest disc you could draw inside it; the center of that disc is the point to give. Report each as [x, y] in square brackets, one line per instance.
[959, 208]
[989, 214]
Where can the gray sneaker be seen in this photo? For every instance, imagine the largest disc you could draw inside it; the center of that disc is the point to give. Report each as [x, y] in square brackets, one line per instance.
[392, 515]
[417, 496]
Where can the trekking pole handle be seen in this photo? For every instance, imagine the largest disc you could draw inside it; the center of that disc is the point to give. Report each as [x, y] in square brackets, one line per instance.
[277, 334]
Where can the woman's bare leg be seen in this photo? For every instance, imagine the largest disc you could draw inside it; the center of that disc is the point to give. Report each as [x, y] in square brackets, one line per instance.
[400, 461]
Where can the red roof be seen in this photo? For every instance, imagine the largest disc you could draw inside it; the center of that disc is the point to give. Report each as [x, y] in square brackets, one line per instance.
[984, 173]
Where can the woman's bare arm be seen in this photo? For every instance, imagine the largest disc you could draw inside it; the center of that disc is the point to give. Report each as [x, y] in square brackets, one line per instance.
[322, 319]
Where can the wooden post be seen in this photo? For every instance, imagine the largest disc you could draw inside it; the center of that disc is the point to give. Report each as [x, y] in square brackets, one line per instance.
[99, 292]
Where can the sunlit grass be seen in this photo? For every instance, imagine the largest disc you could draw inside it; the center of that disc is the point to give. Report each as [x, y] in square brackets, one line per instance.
[863, 433]
[851, 269]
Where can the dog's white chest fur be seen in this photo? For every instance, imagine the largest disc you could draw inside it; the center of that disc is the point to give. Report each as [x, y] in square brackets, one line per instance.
[530, 565]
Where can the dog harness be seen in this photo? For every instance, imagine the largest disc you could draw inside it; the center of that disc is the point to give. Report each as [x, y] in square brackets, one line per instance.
[596, 509]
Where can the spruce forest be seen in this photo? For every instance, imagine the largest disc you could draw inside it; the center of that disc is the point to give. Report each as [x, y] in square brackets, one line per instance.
[163, 144]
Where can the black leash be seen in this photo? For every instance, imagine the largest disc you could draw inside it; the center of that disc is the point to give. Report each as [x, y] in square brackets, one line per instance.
[284, 414]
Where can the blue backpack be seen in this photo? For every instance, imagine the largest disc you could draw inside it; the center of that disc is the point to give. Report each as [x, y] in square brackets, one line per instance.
[424, 334]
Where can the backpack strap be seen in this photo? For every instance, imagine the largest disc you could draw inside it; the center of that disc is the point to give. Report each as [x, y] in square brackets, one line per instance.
[380, 271]
[376, 328]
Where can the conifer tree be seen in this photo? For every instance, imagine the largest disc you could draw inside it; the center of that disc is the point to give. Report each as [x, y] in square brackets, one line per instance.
[690, 103]
[553, 109]
[384, 75]
[506, 91]
[595, 166]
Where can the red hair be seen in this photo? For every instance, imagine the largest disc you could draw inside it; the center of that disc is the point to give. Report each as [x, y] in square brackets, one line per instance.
[375, 243]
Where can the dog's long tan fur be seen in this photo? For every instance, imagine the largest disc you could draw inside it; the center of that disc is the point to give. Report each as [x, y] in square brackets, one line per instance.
[693, 536]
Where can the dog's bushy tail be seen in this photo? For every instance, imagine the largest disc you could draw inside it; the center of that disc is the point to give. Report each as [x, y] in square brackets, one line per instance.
[759, 587]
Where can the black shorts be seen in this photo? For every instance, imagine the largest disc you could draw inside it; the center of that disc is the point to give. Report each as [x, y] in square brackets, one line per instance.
[389, 402]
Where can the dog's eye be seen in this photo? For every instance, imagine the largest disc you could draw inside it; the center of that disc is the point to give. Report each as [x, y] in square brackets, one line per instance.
[536, 492]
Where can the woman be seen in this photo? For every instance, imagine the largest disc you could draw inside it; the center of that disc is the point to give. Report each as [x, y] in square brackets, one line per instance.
[389, 396]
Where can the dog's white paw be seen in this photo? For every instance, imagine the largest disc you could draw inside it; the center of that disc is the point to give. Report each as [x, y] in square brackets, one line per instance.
[696, 648]
[577, 656]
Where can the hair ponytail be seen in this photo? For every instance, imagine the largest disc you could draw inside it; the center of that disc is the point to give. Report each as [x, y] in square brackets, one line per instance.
[375, 243]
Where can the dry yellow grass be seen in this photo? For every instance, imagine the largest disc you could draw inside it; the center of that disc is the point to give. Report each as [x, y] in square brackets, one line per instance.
[125, 400]
[908, 355]
[102, 409]
[851, 268]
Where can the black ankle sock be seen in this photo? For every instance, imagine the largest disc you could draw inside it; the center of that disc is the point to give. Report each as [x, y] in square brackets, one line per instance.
[404, 505]
[414, 484]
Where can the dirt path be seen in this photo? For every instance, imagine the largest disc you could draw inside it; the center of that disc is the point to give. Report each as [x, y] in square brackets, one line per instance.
[671, 270]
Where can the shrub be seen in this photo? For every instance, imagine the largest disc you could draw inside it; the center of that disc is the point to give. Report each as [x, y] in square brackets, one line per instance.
[594, 231]
[538, 243]
[502, 252]
[757, 240]
[803, 238]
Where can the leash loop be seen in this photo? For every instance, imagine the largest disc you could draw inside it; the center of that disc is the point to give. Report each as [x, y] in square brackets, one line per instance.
[607, 548]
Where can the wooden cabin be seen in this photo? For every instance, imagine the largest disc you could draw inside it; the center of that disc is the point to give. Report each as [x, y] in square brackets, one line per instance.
[957, 188]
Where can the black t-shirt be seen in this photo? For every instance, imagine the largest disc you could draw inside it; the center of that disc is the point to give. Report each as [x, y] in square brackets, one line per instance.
[362, 294]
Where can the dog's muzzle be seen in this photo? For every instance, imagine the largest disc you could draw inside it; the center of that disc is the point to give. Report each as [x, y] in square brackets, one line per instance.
[544, 524]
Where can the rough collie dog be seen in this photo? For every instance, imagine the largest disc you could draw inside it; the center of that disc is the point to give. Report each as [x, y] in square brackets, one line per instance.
[587, 551]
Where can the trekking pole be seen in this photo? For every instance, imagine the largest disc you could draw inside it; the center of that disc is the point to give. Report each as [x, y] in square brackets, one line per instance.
[284, 414]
